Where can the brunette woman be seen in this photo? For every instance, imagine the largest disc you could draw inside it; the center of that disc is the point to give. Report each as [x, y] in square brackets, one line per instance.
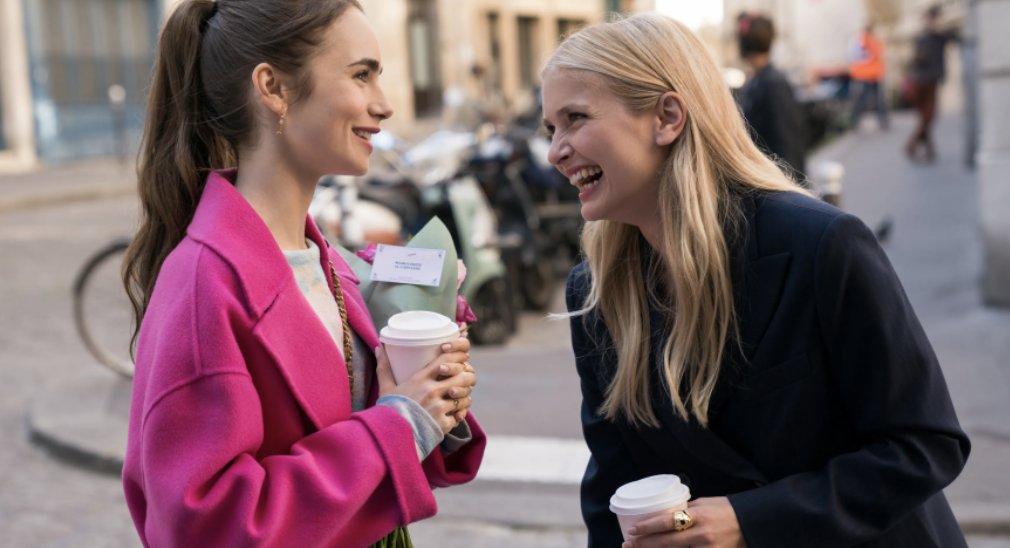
[730, 329]
[264, 412]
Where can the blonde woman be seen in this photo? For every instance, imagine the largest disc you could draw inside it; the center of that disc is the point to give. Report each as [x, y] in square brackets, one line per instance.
[729, 328]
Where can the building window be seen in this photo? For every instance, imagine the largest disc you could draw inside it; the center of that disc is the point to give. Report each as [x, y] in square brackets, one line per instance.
[90, 45]
[422, 38]
[494, 42]
[527, 51]
[79, 52]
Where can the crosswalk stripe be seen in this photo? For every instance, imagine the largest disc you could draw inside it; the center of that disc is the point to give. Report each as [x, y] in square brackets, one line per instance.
[531, 459]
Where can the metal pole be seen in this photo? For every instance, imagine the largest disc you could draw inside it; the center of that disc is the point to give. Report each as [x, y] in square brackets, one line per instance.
[969, 56]
[828, 176]
[117, 101]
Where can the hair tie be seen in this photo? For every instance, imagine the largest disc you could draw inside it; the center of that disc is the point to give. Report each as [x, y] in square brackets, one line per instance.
[213, 9]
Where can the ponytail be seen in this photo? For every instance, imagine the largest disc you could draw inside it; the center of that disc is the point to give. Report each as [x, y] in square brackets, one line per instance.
[195, 124]
[176, 153]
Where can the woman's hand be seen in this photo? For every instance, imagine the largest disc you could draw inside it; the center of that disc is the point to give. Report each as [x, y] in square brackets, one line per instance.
[715, 526]
[461, 414]
[436, 386]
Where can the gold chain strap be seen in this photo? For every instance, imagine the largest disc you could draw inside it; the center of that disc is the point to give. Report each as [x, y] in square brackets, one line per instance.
[399, 537]
[348, 347]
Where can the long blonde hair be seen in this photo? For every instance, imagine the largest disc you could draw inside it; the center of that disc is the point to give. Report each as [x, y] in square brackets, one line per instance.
[711, 164]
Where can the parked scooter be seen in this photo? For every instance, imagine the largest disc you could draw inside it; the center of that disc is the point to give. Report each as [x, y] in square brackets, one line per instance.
[538, 208]
[409, 186]
[556, 199]
[526, 247]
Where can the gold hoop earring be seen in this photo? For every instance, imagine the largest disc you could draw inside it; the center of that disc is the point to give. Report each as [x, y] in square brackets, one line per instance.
[280, 126]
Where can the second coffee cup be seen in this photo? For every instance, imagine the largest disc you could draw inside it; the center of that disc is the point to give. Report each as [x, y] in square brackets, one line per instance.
[647, 498]
[413, 339]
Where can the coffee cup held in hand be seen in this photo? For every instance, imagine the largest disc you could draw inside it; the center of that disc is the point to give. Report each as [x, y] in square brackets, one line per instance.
[647, 498]
[413, 339]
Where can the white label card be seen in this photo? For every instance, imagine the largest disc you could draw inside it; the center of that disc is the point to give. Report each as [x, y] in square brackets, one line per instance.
[408, 265]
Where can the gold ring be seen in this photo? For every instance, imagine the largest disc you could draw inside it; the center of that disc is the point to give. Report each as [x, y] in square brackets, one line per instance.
[682, 521]
[457, 404]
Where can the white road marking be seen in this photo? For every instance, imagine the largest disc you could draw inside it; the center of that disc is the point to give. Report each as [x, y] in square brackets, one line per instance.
[539, 460]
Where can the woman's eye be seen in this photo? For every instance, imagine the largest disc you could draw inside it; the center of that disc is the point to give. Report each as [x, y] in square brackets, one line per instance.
[575, 116]
[550, 132]
[362, 75]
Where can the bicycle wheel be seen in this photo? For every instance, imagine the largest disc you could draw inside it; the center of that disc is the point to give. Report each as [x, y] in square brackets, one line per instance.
[102, 311]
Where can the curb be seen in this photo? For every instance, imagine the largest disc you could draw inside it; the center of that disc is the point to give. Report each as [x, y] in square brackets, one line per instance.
[71, 454]
[84, 421]
[983, 519]
[31, 201]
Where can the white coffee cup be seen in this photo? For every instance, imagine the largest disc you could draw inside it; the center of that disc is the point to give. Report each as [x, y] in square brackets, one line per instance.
[647, 498]
[413, 339]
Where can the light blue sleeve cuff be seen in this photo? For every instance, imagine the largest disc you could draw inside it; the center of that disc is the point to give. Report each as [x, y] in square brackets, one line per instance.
[427, 433]
[457, 438]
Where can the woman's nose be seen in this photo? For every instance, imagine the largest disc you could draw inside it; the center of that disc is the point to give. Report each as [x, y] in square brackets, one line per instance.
[559, 151]
[380, 107]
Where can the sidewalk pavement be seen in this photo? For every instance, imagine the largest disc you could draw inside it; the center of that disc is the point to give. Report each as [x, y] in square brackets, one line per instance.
[64, 183]
[935, 246]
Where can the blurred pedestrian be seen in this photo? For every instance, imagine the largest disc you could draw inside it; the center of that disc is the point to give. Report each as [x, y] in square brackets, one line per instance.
[867, 71]
[264, 411]
[728, 327]
[928, 72]
[776, 121]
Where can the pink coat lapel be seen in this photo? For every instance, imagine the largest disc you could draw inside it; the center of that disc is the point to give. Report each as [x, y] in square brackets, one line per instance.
[288, 328]
[357, 311]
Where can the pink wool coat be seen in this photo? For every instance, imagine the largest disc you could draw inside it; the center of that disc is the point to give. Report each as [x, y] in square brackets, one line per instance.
[241, 430]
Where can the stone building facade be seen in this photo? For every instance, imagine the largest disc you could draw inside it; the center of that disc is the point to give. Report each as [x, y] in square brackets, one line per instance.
[65, 63]
[73, 77]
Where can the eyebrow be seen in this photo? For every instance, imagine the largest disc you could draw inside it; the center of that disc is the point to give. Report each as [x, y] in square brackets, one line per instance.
[367, 62]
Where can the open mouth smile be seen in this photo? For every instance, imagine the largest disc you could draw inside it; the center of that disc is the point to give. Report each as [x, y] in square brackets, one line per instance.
[586, 178]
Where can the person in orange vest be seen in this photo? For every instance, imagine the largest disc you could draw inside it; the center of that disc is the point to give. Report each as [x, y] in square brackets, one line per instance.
[867, 70]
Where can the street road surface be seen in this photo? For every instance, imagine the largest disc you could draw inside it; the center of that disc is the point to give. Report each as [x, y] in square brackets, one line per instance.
[527, 399]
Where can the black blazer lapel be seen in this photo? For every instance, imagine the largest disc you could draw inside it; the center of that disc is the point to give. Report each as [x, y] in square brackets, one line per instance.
[764, 280]
[757, 299]
[757, 291]
[701, 442]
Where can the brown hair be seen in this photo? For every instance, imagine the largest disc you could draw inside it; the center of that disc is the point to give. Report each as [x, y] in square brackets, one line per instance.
[198, 111]
[756, 34]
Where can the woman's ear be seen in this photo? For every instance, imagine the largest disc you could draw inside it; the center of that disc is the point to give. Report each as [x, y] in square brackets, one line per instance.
[670, 118]
[270, 88]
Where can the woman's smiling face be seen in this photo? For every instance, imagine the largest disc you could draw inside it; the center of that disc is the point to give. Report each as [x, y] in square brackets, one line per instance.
[607, 151]
[332, 126]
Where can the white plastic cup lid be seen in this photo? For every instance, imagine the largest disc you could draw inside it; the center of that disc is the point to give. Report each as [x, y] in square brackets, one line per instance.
[418, 327]
[650, 494]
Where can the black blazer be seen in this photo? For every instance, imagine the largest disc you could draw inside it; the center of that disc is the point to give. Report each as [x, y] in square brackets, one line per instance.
[833, 429]
[776, 121]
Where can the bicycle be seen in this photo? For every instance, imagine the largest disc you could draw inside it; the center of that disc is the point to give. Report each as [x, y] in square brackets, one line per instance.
[101, 309]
